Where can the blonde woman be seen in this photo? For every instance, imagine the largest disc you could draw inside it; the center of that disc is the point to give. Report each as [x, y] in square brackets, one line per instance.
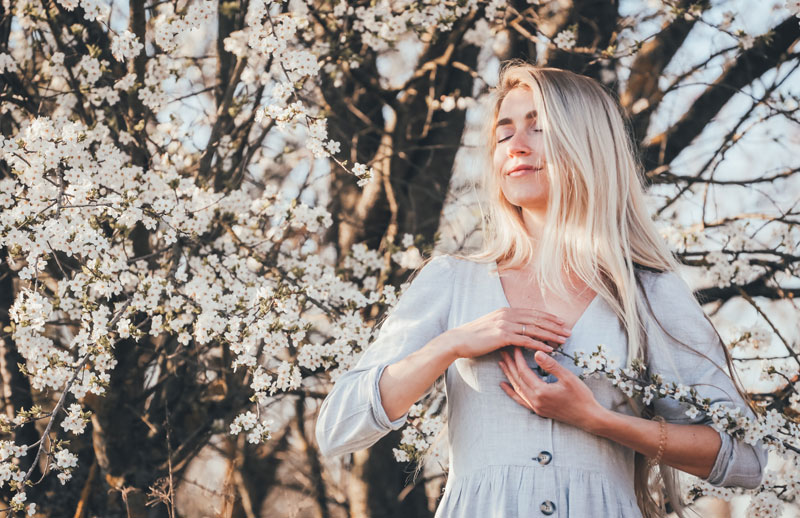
[571, 260]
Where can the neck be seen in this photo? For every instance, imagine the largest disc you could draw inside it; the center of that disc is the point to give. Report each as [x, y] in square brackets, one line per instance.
[534, 220]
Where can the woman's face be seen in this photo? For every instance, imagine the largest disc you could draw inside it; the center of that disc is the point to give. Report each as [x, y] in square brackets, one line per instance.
[519, 152]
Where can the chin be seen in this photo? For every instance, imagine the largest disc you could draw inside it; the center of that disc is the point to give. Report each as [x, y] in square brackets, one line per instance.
[528, 202]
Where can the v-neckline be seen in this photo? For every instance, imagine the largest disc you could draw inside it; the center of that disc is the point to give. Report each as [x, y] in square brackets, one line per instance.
[496, 276]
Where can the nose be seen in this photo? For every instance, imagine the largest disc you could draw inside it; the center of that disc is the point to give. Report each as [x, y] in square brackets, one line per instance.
[518, 145]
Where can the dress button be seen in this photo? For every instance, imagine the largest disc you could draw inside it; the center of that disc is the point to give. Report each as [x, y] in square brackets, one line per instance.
[544, 458]
[548, 507]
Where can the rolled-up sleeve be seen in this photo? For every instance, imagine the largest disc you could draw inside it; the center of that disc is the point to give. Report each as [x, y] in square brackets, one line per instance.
[352, 416]
[702, 366]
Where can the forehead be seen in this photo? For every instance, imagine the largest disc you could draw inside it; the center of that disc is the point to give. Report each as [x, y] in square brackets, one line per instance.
[517, 104]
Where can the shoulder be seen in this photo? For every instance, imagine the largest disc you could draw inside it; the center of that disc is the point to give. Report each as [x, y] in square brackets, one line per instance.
[434, 271]
[435, 265]
[447, 273]
[663, 287]
[676, 310]
[447, 263]
[667, 294]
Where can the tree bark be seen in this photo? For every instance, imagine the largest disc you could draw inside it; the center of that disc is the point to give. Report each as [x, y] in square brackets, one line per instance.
[413, 160]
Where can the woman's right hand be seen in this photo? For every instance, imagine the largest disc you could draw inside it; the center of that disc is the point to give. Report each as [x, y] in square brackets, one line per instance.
[504, 327]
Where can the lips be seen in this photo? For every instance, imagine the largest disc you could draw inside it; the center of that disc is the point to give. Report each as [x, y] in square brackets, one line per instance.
[523, 169]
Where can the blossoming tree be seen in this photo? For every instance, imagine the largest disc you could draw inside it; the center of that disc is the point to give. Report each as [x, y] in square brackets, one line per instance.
[205, 206]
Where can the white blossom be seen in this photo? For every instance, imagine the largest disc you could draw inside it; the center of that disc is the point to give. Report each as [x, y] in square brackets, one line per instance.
[7, 63]
[125, 45]
[746, 41]
[75, 422]
[565, 40]
[65, 460]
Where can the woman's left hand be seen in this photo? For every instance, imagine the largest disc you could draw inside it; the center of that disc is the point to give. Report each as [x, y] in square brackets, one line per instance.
[567, 400]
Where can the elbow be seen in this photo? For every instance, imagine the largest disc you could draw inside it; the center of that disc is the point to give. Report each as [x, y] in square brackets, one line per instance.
[739, 465]
[330, 444]
[323, 445]
[323, 434]
[336, 436]
[347, 420]
[749, 478]
[757, 465]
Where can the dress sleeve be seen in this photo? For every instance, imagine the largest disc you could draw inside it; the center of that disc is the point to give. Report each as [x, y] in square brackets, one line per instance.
[352, 416]
[673, 304]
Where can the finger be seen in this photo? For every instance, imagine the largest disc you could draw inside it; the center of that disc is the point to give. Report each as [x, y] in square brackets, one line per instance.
[549, 364]
[543, 334]
[529, 343]
[531, 317]
[507, 366]
[535, 315]
[504, 363]
[549, 316]
[545, 316]
[525, 373]
[508, 389]
[534, 330]
[549, 327]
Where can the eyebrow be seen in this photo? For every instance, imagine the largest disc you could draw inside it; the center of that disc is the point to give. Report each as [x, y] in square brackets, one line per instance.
[503, 122]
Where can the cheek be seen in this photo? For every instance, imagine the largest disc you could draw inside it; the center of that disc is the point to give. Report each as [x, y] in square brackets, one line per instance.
[497, 160]
[508, 192]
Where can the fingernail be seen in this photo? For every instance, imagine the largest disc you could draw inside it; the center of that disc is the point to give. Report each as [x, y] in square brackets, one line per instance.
[549, 349]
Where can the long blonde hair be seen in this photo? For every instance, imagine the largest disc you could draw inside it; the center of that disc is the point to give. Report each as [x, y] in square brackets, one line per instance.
[597, 226]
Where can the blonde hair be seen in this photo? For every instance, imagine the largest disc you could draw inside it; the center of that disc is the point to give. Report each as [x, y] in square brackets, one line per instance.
[596, 227]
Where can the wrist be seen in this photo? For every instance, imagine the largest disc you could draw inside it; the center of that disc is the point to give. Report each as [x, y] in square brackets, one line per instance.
[600, 422]
[448, 344]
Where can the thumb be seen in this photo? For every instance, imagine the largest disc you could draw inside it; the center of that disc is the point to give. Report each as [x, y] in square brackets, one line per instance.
[548, 363]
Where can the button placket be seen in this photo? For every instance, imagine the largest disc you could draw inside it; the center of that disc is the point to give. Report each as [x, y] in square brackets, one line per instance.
[544, 458]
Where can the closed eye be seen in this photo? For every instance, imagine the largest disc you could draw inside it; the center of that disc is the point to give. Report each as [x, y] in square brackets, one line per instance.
[504, 139]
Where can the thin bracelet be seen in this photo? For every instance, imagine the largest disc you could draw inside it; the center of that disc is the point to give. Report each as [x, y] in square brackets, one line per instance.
[662, 442]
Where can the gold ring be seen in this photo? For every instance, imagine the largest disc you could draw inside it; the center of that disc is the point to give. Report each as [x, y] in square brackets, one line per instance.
[523, 329]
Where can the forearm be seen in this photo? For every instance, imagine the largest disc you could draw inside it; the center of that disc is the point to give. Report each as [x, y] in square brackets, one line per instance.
[404, 382]
[690, 448]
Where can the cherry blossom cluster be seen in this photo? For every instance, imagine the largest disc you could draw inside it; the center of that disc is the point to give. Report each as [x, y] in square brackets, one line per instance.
[780, 485]
[284, 314]
[125, 45]
[771, 428]
[727, 251]
[248, 421]
[380, 25]
[426, 424]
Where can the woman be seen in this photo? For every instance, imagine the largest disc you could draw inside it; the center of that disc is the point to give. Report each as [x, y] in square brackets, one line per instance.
[580, 264]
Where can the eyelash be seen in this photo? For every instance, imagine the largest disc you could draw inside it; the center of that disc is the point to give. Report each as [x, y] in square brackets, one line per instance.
[536, 130]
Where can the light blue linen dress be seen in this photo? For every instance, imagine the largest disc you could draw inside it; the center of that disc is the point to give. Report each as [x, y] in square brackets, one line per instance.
[505, 461]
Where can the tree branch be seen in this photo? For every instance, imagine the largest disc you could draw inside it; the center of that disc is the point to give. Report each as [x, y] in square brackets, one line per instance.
[750, 65]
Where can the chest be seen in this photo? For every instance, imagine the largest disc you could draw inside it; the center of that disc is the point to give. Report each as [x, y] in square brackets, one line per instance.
[523, 292]
[473, 384]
